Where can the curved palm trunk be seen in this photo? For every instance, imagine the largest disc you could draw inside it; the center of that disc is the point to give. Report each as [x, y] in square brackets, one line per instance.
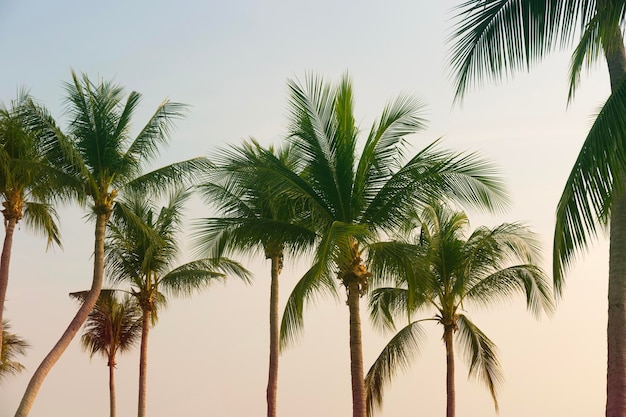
[272, 381]
[5, 260]
[112, 400]
[450, 389]
[356, 351]
[616, 326]
[90, 301]
[143, 364]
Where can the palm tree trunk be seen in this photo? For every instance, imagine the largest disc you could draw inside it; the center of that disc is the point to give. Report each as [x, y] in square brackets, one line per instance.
[112, 401]
[356, 351]
[90, 301]
[616, 326]
[143, 364]
[272, 381]
[5, 260]
[450, 389]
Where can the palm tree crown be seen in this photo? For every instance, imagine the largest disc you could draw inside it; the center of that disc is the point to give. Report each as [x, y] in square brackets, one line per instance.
[12, 347]
[440, 268]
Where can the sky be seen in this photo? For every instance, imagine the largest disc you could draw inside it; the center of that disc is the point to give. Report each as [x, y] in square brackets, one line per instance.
[230, 61]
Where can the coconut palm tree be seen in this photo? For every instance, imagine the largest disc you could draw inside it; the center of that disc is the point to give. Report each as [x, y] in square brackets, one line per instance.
[254, 220]
[105, 159]
[113, 325]
[142, 244]
[353, 199]
[27, 182]
[443, 267]
[12, 346]
[496, 38]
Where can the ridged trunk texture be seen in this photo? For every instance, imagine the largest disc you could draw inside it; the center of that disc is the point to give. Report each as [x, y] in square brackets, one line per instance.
[5, 261]
[356, 352]
[616, 326]
[90, 301]
[448, 333]
[112, 400]
[272, 380]
[143, 364]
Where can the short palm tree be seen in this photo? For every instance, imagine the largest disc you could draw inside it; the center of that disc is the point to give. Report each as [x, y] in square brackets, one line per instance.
[114, 325]
[27, 181]
[105, 159]
[142, 244]
[495, 38]
[12, 346]
[254, 220]
[353, 199]
[439, 267]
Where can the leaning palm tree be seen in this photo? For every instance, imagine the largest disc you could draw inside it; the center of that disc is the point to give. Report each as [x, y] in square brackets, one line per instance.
[495, 38]
[114, 325]
[12, 346]
[254, 219]
[27, 182]
[142, 244]
[352, 199]
[440, 267]
[105, 159]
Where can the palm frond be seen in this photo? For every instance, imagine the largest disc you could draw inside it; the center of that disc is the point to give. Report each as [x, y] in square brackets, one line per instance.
[482, 355]
[492, 39]
[590, 190]
[43, 218]
[196, 275]
[396, 355]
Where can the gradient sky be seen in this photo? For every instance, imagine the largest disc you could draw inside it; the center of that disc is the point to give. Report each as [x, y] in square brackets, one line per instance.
[230, 61]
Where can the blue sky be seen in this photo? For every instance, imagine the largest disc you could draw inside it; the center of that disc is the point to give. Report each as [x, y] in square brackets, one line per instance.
[230, 62]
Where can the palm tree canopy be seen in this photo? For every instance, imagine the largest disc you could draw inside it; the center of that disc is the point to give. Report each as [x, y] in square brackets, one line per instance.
[12, 347]
[143, 243]
[352, 198]
[30, 179]
[254, 215]
[449, 271]
[114, 324]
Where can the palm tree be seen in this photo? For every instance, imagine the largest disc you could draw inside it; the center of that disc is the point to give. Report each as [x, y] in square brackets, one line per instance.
[12, 346]
[113, 325]
[142, 244]
[26, 182]
[438, 267]
[104, 160]
[254, 220]
[352, 200]
[497, 38]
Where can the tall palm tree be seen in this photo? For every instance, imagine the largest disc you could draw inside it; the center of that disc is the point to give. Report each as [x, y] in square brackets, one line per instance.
[353, 199]
[254, 219]
[439, 267]
[113, 325]
[495, 38]
[105, 159]
[12, 346]
[26, 182]
[142, 245]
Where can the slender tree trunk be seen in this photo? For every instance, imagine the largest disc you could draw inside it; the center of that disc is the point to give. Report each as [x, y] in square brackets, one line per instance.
[143, 364]
[112, 400]
[356, 352]
[272, 381]
[5, 260]
[90, 301]
[450, 389]
[616, 326]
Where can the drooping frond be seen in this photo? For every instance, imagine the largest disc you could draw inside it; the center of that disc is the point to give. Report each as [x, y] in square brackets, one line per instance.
[196, 275]
[43, 218]
[396, 355]
[590, 190]
[482, 355]
[492, 39]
